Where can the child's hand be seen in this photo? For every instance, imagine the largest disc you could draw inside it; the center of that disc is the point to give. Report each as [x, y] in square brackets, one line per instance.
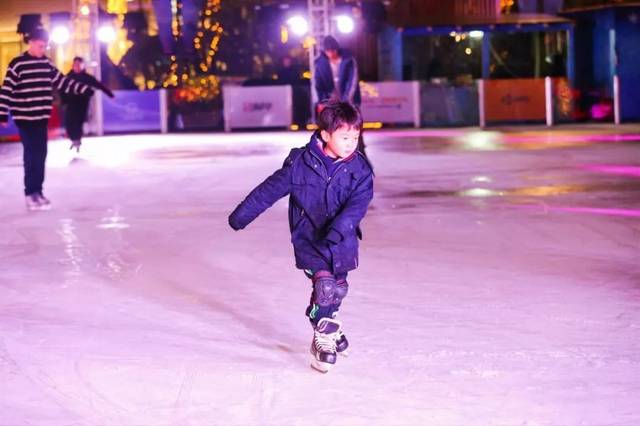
[232, 223]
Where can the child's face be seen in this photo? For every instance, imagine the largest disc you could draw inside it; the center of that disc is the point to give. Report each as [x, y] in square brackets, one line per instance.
[341, 143]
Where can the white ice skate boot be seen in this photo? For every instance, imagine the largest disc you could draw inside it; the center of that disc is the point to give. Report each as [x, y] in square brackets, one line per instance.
[45, 204]
[75, 145]
[33, 203]
[342, 344]
[323, 347]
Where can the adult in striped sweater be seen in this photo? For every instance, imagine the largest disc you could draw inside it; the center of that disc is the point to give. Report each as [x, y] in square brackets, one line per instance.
[27, 93]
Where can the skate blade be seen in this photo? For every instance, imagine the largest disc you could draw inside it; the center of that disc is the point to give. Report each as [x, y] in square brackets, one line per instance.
[322, 367]
[345, 353]
[39, 208]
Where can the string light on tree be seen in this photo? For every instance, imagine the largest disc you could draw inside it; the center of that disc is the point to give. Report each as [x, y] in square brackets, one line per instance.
[177, 32]
[194, 80]
[208, 35]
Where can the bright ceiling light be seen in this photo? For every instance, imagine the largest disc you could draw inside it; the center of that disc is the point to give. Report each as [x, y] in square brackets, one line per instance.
[298, 24]
[345, 24]
[60, 35]
[106, 34]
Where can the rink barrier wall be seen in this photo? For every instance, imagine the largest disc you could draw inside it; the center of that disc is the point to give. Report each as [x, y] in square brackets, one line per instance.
[517, 101]
[616, 99]
[446, 105]
[508, 100]
[391, 102]
[482, 118]
[133, 111]
[255, 107]
[407, 103]
[548, 101]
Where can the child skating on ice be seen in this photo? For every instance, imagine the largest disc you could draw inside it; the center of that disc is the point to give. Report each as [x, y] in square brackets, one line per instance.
[330, 185]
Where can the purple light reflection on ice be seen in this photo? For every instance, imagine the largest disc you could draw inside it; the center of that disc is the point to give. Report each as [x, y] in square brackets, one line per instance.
[571, 138]
[588, 210]
[420, 133]
[614, 169]
[599, 211]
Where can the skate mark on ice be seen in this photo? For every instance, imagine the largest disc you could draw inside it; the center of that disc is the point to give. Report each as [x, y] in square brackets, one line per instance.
[205, 154]
[257, 326]
[94, 392]
[39, 380]
[184, 394]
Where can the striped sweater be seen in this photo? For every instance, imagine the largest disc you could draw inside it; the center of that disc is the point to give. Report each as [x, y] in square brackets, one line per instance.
[27, 91]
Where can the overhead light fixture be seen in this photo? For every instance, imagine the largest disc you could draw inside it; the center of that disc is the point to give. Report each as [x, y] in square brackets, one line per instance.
[60, 35]
[298, 25]
[106, 34]
[345, 24]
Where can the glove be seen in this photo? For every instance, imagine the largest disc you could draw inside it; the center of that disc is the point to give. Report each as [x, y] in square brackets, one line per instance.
[233, 223]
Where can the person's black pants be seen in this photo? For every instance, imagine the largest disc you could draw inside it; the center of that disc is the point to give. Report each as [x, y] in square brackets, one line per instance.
[34, 142]
[75, 116]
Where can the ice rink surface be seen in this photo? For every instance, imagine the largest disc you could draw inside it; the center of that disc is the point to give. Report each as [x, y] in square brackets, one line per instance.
[499, 285]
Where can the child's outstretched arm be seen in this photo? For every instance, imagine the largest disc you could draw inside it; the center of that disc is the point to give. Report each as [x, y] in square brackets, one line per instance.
[263, 196]
[352, 213]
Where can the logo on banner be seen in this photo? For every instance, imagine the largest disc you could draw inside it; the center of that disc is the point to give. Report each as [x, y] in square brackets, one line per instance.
[511, 99]
[386, 102]
[256, 106]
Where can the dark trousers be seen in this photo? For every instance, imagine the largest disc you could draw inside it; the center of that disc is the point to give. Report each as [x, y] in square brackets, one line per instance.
[34, 142]
[316, 312]
[75, 116]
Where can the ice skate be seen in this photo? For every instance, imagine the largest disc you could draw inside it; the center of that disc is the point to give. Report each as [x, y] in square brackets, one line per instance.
[342, 344]
[45, 204]
[323, 347]
[33, 203]
[75, 144]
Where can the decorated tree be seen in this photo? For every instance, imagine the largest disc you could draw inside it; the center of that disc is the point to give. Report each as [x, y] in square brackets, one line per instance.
[193, 76]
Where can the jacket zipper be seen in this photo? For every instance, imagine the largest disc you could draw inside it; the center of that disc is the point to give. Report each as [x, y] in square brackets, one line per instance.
[327, 178]
[326, 172]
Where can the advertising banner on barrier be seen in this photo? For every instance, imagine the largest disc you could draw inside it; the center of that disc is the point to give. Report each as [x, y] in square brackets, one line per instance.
[449, 105]
[132, 111]
[257, 106]
[391, 102]
[515, 100]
